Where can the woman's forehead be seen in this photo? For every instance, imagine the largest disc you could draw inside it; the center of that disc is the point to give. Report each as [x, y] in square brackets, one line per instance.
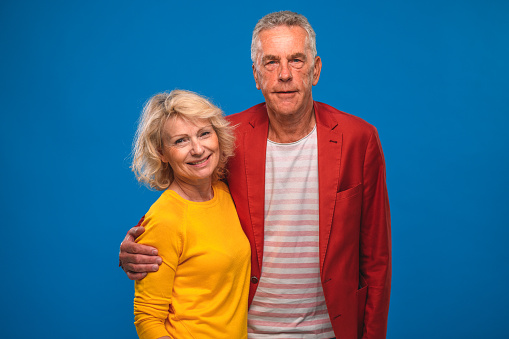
[177, 123]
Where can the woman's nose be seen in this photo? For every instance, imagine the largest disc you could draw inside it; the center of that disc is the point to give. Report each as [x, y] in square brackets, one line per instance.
[196, 147]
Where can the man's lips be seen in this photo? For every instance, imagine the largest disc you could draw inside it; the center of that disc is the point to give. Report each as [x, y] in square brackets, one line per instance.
[285, 92]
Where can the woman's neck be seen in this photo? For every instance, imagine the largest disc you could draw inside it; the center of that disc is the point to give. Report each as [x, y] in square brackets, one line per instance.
[193, 192]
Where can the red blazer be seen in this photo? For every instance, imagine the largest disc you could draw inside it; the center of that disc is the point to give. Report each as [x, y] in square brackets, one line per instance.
[355, 238]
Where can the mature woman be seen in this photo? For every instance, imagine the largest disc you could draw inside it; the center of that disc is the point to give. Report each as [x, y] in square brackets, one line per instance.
[200, 291]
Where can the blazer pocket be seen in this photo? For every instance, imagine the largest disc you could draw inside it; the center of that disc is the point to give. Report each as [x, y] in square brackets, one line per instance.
[347, 215]
[362, 294]
[349, 192]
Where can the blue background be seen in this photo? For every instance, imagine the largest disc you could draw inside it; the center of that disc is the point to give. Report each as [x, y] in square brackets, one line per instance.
[433, 77]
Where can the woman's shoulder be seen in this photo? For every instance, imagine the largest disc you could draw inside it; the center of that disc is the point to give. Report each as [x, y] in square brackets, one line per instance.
[164, 225]
[221, 187]
[223, 194]
[165, 210]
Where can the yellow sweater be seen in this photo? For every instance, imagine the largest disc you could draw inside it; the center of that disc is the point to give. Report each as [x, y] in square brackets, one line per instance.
[201, 289]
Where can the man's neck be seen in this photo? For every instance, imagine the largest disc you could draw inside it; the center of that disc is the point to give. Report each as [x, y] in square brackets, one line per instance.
[290, 128]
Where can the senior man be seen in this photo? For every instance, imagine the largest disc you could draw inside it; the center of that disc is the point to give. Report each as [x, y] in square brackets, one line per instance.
[309, 185]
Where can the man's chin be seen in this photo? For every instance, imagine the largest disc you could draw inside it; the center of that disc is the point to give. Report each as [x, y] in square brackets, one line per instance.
[285, 108]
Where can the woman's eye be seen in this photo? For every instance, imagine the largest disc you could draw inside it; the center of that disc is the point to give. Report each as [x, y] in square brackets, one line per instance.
[180, 141]
[204, 134]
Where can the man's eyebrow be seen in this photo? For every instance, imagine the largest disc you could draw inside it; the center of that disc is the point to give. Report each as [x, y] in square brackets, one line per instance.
[298, 56]
[269, 57]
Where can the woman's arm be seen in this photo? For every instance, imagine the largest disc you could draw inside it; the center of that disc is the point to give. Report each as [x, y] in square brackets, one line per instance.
[153, 294]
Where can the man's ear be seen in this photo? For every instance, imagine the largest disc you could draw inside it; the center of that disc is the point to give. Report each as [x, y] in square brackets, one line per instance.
[255, 75]
[316, 70]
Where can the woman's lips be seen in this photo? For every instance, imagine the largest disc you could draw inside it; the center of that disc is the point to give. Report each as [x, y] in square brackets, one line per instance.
[199, 162]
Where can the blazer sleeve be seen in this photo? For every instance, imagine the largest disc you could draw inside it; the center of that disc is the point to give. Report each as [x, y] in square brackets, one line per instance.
[375, 241]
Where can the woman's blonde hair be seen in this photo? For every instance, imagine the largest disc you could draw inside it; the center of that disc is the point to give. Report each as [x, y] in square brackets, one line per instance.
[147, 164]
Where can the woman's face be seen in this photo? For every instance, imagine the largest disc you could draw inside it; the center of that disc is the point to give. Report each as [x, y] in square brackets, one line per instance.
[191, 149]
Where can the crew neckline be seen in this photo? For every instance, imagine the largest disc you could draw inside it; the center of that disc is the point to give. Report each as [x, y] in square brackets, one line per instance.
[212, 201]
[294, 142]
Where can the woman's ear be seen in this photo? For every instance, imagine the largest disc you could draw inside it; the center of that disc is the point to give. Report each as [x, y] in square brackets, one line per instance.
[162, 156]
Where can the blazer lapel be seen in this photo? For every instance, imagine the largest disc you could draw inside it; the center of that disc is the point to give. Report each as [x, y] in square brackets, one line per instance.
[255, 147]
[330, 141]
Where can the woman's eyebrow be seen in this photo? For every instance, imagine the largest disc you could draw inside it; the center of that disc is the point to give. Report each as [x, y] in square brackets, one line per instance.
[208, 126]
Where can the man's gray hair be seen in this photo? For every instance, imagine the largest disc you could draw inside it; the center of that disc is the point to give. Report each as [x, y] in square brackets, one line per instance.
[283, 18]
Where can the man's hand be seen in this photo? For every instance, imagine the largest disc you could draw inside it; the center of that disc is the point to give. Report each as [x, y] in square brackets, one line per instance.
[137, 260]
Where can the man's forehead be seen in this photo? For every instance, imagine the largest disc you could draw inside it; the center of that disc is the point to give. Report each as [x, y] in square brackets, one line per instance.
[291, 40]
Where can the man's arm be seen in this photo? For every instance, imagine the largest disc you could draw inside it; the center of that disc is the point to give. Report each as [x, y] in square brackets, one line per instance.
[375, 245]
[136, 259]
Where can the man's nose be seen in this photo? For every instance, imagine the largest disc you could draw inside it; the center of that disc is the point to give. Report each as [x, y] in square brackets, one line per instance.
[285, 72]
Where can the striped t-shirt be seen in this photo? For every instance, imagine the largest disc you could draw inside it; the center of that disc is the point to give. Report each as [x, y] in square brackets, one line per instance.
[289, 300]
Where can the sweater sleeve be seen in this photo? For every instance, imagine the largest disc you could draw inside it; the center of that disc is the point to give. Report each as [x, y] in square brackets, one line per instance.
[153, 294]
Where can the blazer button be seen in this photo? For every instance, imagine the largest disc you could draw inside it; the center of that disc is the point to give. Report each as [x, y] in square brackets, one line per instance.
[254, 280]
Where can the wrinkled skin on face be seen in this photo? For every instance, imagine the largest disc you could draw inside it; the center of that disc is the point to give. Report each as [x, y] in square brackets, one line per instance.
[285, 71]
[191, 148]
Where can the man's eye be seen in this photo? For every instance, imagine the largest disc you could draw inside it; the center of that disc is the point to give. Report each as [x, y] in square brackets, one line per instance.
[297, 63]
[271, 65]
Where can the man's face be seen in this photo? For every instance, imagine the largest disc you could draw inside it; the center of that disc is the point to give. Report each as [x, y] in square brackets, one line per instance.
[285, 71]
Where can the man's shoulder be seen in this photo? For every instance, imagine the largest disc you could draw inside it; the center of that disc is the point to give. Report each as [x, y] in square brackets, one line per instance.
[346, 121]
[253, 113]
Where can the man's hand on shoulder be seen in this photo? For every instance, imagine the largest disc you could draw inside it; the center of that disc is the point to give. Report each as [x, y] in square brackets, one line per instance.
[135, 259]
